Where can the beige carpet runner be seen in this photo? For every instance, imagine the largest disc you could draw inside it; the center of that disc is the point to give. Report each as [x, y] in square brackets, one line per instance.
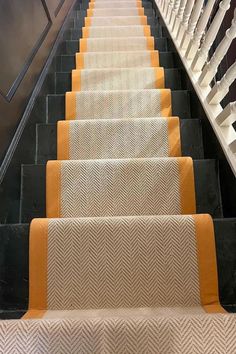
[110, 60]
[117, 79]
[122, 263]
[118, 138]
[116, 21]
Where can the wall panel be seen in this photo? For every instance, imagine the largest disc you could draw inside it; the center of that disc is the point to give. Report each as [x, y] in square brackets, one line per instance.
[28, 30]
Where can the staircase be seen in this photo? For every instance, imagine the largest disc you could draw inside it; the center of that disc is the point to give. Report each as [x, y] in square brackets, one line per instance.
[126, 259]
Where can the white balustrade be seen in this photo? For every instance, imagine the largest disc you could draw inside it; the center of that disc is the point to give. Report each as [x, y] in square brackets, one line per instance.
[177, 20]
[221, 88]
[197, 8]
[169, 10]
[186, 21]
[210, 69]
[174, 12]
[184, 24]
[228, 116]
[202, 54]
[195, 41]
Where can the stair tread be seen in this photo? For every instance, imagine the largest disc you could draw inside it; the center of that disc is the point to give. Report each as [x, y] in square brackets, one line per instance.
[117, 138]
[98, 195]
[118, 104]
[124, 262]
[137, 334]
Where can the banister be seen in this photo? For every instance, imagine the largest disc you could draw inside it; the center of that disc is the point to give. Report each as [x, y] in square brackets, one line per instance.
[179, 16]
[174, 12]
[228, 115]
[221, 88]
[195, 41]
[202, 54]
[186, 16]
[197, 8]
[210, 69]
[187, 25]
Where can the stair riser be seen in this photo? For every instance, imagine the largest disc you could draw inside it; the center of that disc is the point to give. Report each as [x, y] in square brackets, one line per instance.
[145, 4]
[190, 130]
[72, 47]
[172, 81]
[180, 106]
[75, 34]
[149, 12]
[77, 22]
[66, 63]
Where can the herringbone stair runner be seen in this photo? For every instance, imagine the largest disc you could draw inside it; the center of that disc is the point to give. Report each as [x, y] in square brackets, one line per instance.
[110, 60]
[122, 263]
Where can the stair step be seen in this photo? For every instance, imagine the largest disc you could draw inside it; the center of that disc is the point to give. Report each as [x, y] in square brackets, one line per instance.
[190, 131]
[75, 34]
[134, 331]
[118, 4]
[115, 44]
[207, 188]
[109, 12]
[172, 79]
[149, 12]
[66, 63]
[139, 31]
[180, 106]
[124, 262]
[15, 283]
[78, 21]
[72, 47]
[145, 4]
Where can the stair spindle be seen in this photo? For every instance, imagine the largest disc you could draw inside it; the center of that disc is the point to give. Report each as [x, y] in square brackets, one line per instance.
[179, 16]
[195, 41]
[192, 24]
[174, 12]
[202, 54]
[210, 69]
[227, 116]
[186, 16]
[221, 87]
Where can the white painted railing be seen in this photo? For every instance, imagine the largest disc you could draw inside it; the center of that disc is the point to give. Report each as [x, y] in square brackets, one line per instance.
[186, 21]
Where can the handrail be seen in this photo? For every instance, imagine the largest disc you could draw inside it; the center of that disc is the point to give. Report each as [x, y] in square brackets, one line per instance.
[186, 21]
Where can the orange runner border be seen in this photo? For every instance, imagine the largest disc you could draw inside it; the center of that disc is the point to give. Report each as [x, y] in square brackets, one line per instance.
[53, 189]
[187, 185]
[160, 77]
[63, 135]
[174, 137]
[70, 106]
[155, 62]
[208, 277]
[38, 249]
[166, 109]
[76, 80]
[79, 60]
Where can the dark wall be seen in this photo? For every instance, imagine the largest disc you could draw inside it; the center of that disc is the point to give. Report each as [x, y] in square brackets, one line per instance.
[28, 30]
